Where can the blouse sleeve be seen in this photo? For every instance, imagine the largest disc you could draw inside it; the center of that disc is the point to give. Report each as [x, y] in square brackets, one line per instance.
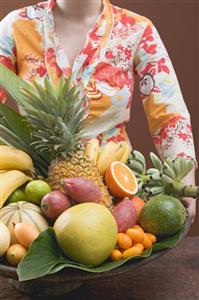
[7, 49]
[167, 114]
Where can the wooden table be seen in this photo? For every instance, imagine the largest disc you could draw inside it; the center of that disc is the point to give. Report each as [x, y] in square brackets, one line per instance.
[173, 276]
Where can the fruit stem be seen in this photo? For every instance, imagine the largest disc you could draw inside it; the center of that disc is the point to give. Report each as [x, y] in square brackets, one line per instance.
[182, 189]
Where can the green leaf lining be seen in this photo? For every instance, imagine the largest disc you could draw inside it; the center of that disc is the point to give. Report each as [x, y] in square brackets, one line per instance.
[44, 257]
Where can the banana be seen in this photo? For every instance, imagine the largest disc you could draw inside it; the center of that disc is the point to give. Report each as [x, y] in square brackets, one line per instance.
[138, 156]
[126, 153]
[186, 165]
[105, 157]
[165, 179]
[156, 161]
[120, 150]
[189, 166]
[167, 170]
[155, 176]
[14, 159]
[169, 161]
[177, 168]
[140, 184]
[147, 189]
[137, 175]
[154, 182]
[153, 171]
[145, 196]
[136, 166]
[156, 190]
[112, 152]
[9, 182]
[92, 150]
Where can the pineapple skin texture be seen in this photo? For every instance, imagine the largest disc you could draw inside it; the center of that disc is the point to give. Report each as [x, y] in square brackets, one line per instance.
[77, 165]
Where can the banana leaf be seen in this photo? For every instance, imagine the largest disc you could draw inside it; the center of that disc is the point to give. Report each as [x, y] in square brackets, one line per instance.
[45, 257]
[13, 84]
[15, 122]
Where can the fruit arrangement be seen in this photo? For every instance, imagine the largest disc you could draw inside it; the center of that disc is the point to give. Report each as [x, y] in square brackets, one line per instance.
[65, 200]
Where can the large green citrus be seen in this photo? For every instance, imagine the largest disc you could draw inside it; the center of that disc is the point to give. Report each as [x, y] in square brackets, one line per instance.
[163, 215]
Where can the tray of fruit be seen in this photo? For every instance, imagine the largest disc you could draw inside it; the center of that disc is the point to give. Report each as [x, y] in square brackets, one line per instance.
[69, 203]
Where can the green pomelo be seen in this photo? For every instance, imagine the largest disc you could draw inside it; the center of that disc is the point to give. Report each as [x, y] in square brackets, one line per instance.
[86, 233]
[163, 215]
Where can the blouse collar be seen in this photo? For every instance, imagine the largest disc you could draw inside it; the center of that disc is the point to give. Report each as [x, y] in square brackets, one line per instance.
[96, 37]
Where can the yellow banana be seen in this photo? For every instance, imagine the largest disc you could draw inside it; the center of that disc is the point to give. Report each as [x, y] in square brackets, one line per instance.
[14, 159]
[9, 182]
[126, 153]
[112, 152]
[105, 157]
[119, 151]
[92, 150]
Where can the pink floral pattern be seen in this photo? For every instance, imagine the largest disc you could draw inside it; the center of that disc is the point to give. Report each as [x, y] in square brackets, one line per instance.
[177, 130]
[147, 42]
[119, 46]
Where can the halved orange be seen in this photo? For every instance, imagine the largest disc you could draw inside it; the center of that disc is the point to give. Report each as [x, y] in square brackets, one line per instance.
[121, 180]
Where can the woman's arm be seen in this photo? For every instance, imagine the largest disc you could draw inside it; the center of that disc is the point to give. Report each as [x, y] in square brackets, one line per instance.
[166, 111]
[7, 49]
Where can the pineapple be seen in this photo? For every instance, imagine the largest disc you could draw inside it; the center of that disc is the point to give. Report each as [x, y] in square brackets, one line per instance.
[57, 116]
[77, 165]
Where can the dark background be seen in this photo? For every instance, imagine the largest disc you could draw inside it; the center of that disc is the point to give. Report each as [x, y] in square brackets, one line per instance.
[178, 24]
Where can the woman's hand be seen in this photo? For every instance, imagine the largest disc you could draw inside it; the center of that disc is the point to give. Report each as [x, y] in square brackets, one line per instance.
[190, 204]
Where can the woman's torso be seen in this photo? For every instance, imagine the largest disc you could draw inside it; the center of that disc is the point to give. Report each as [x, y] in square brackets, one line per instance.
[104, 65]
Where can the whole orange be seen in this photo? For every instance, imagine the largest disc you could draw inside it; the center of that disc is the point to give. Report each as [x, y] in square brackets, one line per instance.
[138, 204]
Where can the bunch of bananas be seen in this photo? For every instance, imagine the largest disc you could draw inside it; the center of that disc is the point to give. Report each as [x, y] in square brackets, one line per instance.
[165, 176]
[13, 164]
[111, 152]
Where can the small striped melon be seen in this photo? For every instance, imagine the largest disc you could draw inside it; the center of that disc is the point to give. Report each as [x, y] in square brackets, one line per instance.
[25, 212]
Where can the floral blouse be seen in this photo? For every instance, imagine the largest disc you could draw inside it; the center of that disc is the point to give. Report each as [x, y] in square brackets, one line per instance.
[121, 46]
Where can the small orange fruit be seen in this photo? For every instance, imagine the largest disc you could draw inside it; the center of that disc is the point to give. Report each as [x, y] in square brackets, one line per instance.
[133, 251]
[147, 243]
[116, 255]
[25, 234]
[139, 245]
[136, 235]
[138, 204]
[15, 254]
[121, 180]
[124, 241]
[138, 227]
[152, 237]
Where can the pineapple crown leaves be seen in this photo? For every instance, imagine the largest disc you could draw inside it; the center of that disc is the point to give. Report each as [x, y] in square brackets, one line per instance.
[56, 114]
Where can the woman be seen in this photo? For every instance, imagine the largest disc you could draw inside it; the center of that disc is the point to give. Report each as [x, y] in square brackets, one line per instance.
[104, 47]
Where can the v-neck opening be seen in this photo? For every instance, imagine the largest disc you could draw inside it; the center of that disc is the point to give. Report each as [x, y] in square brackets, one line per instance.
[85, 44]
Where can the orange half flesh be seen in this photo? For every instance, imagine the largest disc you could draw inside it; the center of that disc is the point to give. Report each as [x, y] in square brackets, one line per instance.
[121, 180]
